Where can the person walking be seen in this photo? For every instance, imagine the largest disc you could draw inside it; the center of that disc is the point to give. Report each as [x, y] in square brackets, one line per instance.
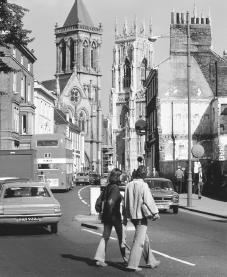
[111, 217]
[179, 174]
[200, 183]
[138, 193]
[197, 166]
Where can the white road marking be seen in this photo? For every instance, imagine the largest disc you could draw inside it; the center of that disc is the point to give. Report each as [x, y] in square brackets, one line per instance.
[98, 234]
[157, 252]
[80, 197]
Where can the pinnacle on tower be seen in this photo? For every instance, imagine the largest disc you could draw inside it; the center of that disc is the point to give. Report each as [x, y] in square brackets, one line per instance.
[125, 28]
[150, 27]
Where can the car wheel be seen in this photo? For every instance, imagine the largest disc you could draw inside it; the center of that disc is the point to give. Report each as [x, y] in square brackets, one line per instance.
[54, 228]
[175, 210]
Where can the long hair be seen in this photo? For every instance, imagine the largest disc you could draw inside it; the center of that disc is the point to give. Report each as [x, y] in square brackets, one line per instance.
[114, 177]
[141, 172]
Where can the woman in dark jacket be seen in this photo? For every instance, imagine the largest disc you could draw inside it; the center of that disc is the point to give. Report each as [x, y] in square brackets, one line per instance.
[111, 217]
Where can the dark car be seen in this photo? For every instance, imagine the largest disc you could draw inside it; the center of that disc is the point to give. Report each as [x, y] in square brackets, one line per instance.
[94, 179]
[163, 193]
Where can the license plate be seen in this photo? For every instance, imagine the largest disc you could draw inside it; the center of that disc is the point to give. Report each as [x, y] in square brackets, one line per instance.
[28, 219]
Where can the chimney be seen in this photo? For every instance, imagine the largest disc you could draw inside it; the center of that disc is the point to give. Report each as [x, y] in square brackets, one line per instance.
[172, 17]
[182, 18]
[178, 18]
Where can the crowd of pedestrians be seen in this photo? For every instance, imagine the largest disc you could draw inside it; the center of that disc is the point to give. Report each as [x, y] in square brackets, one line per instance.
[138, 206]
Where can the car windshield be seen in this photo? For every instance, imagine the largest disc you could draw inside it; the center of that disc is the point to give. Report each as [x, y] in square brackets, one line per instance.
[14, 192]
[160, 184]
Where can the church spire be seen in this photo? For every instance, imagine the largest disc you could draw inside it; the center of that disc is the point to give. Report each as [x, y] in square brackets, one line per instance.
[78, 14]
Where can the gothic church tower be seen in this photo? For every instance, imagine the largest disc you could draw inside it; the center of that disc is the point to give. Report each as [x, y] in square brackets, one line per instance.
[78, 76]
[132, 60]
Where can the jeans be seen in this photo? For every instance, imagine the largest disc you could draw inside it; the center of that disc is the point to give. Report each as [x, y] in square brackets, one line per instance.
[101, 250]
[140, 245]
[200, 188]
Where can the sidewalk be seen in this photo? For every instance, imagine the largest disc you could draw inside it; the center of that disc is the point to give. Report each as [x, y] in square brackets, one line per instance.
[204, 205]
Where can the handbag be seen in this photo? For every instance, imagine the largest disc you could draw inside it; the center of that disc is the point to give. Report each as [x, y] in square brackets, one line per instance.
[99, 203]
[146, 211]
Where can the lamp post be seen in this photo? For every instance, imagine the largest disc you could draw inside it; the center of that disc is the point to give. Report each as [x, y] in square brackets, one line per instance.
[189, 195]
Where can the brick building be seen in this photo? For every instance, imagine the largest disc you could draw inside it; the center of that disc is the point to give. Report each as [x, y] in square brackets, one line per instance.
[167, 104]
[16, 99]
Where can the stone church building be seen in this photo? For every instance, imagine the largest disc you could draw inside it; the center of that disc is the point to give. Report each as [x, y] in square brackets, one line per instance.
[132, 60]
[78, 79]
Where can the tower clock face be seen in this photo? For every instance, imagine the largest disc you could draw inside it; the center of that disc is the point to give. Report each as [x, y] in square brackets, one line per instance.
[75, 95]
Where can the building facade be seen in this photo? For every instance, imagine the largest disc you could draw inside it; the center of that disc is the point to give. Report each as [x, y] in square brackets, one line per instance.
[78, 79]
[132, 59]
[167, 98]
[44, 101]
[17, 109]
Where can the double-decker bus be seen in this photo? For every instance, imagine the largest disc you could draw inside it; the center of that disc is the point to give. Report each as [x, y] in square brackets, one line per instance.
[54, 160]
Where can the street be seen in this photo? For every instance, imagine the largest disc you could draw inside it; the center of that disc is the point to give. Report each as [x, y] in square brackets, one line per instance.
[186, 244]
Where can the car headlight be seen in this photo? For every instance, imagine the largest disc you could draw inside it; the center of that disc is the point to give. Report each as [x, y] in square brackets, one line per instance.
[175, 198]
[57, 209]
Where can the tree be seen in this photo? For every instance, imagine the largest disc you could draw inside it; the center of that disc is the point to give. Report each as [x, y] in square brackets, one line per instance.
[11, 30]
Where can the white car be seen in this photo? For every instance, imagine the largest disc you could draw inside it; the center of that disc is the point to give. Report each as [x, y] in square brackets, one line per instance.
[26, 203]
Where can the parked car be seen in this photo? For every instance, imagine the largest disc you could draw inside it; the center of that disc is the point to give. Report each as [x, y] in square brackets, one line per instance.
[94, 179]
[82, 178]
[163, 192]
[27, 203]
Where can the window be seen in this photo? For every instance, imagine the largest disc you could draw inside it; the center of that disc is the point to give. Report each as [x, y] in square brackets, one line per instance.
[72, 59]
[14, 82]
[143, 71]
[63, 56]
[127, 74]
[24, 124]
[13, 192]
[29, 66]
[75, 95]
[93, 55]
[82, 121]
[16, 119]
[14, 52]
[85, 54]
[29, 92]
[22, 59]
[48, 143]
[92, 58]
[23, 87]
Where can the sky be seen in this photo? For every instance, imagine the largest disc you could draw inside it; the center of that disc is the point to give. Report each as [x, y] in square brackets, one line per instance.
[44, 14]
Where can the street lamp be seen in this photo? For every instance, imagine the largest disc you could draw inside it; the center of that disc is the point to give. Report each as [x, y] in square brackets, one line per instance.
[189, 195]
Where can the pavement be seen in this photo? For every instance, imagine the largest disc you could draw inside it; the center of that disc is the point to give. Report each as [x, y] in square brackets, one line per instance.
[204, 205]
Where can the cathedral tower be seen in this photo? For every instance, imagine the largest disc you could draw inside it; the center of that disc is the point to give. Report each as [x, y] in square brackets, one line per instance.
[132, 60]
[78, 78]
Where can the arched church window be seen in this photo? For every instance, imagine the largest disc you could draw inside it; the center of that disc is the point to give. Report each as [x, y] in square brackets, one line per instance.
[82, 121]
[75, 95]
[143, 71]
[85, 54]
[63, 56]
[127, 74]
[92, 58]
[71, 49]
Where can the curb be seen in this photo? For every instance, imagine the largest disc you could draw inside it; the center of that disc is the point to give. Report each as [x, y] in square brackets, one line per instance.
[202, 212]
